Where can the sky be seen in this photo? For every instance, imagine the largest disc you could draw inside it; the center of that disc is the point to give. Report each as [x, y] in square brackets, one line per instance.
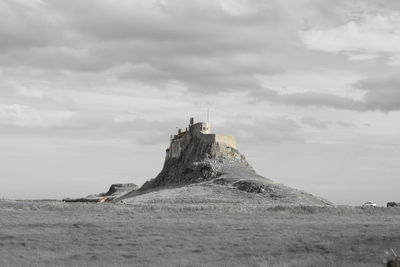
[91, 90]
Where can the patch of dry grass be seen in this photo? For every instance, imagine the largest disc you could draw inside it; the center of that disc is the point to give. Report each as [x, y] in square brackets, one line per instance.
[205, 234]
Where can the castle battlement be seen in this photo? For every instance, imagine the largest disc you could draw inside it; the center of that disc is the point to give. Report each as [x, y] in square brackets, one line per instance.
[200, 130]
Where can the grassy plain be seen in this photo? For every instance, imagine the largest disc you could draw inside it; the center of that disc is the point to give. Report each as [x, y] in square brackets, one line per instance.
[44, 233]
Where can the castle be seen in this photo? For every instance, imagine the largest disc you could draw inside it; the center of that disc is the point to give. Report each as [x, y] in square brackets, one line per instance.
[200, 130]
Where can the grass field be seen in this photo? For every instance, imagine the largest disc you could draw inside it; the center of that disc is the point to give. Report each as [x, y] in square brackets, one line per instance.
[44, 233]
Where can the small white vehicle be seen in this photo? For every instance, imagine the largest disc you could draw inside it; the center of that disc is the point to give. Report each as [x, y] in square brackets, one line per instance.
[369, 204]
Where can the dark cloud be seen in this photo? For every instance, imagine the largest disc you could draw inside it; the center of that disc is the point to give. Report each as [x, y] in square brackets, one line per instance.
[27, 24]
[177, 21]
[207, 46]
[307, 99]
[198, 43]
[381, 94]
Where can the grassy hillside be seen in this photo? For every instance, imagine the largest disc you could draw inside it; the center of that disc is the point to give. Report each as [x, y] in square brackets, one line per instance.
[213, 192]
[199, 234]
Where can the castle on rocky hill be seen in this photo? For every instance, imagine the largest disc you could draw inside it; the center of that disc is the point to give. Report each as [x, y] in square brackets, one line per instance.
[200, 130]
[213, 162]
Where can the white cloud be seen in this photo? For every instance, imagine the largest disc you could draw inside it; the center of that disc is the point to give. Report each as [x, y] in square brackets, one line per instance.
[368, 37]
[26, 116]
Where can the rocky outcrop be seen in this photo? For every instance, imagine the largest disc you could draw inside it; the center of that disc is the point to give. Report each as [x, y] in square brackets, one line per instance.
[200, 160]
[115, 191]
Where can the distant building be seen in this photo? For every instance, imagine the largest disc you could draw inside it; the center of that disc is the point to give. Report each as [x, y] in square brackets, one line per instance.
[201, 130]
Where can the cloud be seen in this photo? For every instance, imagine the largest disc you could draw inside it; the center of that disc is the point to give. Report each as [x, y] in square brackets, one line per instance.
[26, 116]
[319, 124]
[165, 21]
[208, 46]
[345, 124]
[307, 99]
[26, 24]
[368, 37]
[314, 123]
[381, 93]
[253, 130]
[26, 121]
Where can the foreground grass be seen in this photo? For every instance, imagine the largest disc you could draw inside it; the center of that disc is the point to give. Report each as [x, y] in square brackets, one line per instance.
[59, 234]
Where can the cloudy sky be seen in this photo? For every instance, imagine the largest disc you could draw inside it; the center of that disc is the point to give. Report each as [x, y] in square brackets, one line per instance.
[90, 91]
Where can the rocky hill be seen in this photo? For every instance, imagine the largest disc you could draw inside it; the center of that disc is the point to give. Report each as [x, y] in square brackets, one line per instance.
[205, 167]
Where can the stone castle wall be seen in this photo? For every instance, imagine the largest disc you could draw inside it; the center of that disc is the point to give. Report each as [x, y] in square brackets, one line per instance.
[178, 145]
[200, 131]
